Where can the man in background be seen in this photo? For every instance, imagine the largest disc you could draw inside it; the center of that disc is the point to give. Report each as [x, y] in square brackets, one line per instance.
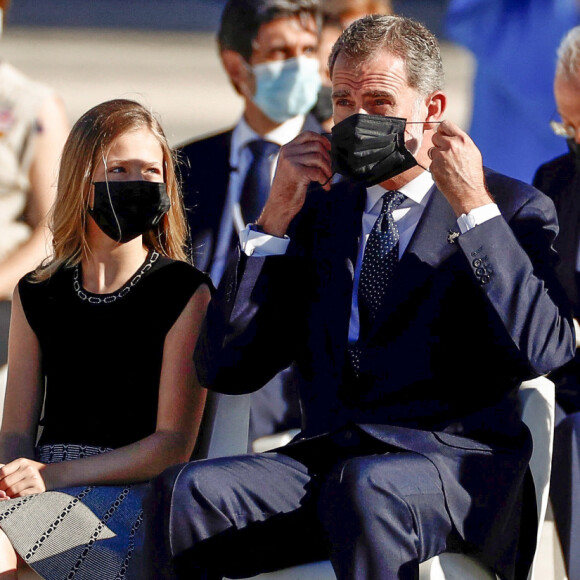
[269, 51]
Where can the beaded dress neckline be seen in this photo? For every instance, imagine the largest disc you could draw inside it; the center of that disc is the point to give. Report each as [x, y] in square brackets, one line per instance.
[92, 298]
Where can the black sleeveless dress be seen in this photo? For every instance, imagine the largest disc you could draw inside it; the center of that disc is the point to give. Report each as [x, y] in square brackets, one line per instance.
[102, 358]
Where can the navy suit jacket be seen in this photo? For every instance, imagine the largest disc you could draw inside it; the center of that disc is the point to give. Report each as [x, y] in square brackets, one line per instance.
[205, 179]
[461, 326]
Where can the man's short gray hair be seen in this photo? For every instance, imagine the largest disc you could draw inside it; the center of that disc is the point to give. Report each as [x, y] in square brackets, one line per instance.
[569, 55]
[403, 37]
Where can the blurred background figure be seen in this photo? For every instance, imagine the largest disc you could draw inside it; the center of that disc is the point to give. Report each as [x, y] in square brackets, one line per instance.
[514, 43]
[176, 39]
[268, 49]
[560, 179]
[33, 129]
[336, 16]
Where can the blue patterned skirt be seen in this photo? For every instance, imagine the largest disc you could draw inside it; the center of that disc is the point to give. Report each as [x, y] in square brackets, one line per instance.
[81, 533]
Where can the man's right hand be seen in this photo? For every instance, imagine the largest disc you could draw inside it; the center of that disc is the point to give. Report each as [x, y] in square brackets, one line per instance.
[303, 160]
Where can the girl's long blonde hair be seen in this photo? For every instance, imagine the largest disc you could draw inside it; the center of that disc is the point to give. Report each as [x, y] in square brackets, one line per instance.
[87, 144]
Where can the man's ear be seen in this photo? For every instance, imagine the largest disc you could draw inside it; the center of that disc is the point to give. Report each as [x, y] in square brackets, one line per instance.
[237, 70]
[436, 104]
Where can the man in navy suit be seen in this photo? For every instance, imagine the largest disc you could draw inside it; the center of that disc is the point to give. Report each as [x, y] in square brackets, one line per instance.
[411, 439]
[269, 51]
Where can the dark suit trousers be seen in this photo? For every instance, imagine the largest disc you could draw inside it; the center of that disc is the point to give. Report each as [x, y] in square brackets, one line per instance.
[375, 513]
[565, 477]
[565, 490]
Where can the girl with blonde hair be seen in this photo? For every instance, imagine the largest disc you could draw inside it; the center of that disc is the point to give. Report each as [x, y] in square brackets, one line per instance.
[100, 355]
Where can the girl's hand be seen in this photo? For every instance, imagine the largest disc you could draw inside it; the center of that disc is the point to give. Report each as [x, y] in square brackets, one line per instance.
[21, 477]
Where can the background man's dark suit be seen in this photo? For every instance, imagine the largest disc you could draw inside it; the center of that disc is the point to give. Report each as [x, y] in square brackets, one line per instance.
[461, 326]
[560, 179]
[206, 174]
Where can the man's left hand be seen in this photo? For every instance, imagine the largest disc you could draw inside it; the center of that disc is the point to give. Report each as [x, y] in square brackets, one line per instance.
[457, 168]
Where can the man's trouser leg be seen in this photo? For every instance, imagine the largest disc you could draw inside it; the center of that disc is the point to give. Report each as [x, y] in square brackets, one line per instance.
[383, 514]
[234, 515]
[565, 490]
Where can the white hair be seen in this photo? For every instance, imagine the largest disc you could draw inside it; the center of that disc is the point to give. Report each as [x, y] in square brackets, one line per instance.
[568, 65]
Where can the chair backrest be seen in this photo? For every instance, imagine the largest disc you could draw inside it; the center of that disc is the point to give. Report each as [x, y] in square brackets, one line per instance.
[537, 398]
[225, 426]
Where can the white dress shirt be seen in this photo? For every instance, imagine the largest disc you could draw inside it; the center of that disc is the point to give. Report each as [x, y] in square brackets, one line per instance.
[240, 160]
[406, 216]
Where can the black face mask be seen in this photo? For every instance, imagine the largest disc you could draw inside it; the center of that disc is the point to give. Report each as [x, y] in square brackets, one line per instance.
[322, 111]
[370, 148]
[126, 209]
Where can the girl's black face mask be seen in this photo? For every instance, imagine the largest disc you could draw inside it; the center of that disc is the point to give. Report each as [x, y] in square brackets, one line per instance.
[126, 209]
[370, 148]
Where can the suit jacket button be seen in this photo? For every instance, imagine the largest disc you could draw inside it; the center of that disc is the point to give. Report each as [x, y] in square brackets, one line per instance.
[477, 263]
[485, 279]
[480, 272]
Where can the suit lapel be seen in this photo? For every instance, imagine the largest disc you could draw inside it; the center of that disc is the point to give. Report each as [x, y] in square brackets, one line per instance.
[335, 237]
[345, 215]
[431, 240]
[208, 201]
[222, 171]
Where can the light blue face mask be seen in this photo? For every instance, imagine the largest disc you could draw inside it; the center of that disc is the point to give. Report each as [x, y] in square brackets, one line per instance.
[286, 88]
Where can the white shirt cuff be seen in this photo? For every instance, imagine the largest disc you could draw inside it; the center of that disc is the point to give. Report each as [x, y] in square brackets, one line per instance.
[259, 244]
[477, 216]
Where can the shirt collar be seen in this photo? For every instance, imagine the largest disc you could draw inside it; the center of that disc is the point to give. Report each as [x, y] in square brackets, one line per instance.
[416, 190]
[281, 135]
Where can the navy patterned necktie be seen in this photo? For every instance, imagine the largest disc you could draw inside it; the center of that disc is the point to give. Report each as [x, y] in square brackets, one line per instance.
[380, 259]
[258, 179]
